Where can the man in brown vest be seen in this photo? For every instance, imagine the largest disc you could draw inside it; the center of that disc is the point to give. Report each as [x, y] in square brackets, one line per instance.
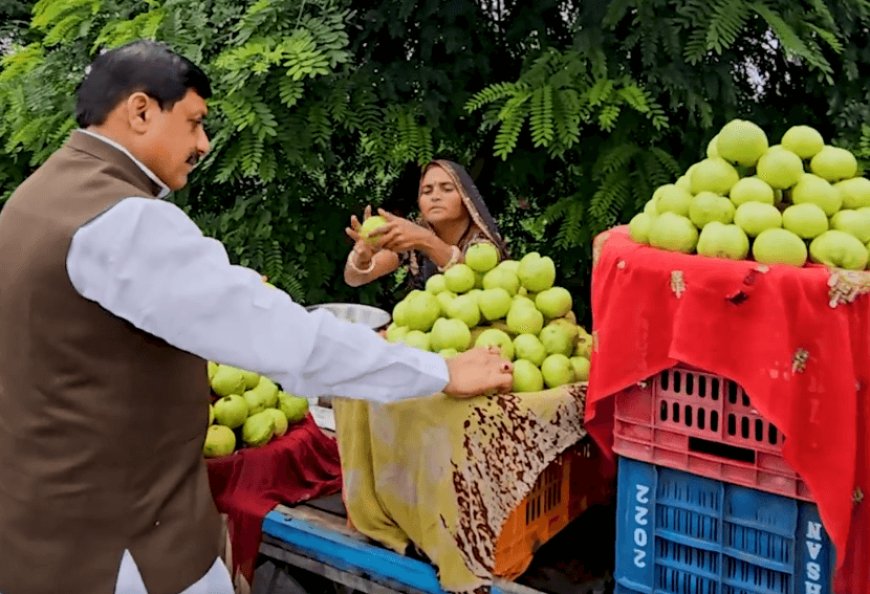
[110, 302]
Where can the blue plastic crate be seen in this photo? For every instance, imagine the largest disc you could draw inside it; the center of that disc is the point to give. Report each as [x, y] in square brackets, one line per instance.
[678, 533]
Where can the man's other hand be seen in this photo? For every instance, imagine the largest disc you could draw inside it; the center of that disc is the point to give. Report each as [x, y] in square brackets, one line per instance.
[478, 371]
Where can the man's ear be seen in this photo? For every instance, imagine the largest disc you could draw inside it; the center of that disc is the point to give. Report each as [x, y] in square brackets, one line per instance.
[139, 111]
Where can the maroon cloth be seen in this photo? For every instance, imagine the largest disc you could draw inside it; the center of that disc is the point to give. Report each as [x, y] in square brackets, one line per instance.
[803, 360]
[300, 465]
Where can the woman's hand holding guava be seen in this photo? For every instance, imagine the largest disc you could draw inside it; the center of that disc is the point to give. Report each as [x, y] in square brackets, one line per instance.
[400, 235]
[363, 251]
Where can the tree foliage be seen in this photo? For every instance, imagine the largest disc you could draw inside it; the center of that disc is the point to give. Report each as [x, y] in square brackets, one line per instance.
[568, 113]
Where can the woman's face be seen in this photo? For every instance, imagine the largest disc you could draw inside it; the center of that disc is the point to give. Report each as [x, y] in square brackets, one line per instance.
[440, 201]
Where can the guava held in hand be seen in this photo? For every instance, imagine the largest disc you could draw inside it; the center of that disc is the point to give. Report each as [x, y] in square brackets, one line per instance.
[370, 226]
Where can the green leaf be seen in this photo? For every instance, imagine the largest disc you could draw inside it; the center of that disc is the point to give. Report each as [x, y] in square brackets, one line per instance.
[607, 117]
[541, 120]
[791, 41]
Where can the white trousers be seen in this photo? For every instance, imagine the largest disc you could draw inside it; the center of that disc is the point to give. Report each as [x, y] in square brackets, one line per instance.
[216, 580]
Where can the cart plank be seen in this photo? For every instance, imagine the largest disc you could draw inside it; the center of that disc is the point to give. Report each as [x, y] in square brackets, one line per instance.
[327, 542]
[355, 580]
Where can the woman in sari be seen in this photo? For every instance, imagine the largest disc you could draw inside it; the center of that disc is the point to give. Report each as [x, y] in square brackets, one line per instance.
[453, 216]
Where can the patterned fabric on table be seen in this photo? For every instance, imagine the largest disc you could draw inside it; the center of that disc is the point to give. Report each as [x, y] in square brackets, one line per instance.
[443, 474]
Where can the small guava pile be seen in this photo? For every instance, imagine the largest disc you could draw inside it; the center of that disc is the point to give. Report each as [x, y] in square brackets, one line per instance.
[248, 409]
[512, 304]
[795, 201]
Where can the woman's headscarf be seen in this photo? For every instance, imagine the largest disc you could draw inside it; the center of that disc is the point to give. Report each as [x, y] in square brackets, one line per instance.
[482, 223]
[472, 200]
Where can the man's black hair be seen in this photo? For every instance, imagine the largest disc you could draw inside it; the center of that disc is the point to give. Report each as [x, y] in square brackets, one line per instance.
[142, 66]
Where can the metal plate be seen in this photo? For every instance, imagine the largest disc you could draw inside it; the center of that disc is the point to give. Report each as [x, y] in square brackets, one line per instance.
[373, 317]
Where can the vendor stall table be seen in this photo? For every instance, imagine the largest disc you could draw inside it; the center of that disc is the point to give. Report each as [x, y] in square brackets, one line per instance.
[255, 488]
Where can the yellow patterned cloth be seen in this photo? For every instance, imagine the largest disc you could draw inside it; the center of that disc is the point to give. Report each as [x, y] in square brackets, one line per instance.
[444, 474]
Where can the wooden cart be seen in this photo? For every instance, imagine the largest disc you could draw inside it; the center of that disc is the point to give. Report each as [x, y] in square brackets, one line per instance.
[318, 541]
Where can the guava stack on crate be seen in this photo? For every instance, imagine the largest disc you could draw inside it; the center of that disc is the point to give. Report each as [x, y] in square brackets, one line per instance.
[731, 372]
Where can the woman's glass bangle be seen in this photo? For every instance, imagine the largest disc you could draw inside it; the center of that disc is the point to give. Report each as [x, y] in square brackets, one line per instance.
[455, 257]
[355, 268]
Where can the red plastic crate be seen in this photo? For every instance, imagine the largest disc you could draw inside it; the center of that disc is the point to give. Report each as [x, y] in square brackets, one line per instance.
[705, 424]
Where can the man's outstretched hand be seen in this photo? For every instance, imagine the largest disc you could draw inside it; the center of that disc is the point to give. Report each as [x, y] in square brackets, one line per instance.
[478, 371]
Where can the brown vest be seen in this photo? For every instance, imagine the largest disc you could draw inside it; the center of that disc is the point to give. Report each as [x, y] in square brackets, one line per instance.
[101, 424]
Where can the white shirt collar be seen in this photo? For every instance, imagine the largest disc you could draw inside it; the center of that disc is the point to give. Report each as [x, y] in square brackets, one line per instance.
[164, 190]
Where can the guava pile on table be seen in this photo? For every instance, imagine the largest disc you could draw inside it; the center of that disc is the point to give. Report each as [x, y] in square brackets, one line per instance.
[798, 201]
[512, 304]
[248, 410]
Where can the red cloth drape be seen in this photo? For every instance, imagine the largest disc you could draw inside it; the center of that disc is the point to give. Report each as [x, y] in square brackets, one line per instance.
[796, 339]
[300, 465]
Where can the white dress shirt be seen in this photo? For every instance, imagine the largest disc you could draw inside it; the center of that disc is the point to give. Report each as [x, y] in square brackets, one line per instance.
[144, 260]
